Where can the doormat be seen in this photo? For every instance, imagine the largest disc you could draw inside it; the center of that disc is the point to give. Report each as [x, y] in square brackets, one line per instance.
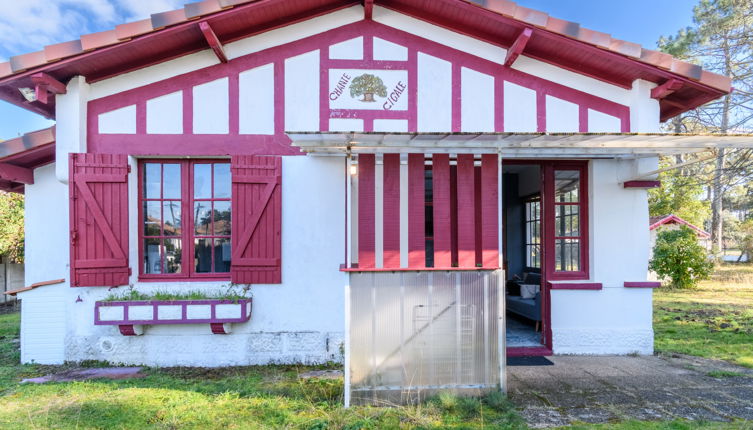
[528, 361]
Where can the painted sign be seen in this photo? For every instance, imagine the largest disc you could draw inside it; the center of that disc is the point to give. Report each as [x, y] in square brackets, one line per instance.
[355, 89]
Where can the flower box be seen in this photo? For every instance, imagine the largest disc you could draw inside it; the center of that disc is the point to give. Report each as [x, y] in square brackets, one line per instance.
[132, 316]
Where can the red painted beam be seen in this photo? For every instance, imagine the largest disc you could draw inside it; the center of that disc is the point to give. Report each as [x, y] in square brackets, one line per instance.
[642, 184]
[489, 211]
[666, 88]
[416, 211]
[466, 212]
[366, 206]
[12, 173]
[368, 9]
[391, 211]
[642, 284]
[442, 218]
[213, 41]
[53, 85]
[518, 46]
[45, 84]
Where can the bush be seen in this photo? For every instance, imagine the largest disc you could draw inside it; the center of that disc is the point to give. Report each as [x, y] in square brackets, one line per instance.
[679, 257]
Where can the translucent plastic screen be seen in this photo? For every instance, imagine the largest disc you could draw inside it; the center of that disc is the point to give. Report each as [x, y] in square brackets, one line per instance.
[413, 334]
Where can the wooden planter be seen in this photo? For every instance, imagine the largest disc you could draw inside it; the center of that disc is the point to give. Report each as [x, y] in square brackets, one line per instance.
[132, 316]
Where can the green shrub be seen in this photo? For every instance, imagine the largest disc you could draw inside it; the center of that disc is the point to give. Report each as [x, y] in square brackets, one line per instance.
[680, 258]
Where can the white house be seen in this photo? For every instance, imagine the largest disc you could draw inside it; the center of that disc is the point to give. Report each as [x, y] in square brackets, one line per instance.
[375, 170]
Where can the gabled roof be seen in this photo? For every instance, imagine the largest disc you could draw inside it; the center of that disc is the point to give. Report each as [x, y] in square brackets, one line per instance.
[175, 33]
[20, 156]
[656, 221]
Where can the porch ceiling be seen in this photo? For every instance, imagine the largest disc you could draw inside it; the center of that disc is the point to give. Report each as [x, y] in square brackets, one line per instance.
[518, 145]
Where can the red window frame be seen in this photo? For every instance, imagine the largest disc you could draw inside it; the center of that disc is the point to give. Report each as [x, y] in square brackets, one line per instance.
[549, 206]
[187, 236]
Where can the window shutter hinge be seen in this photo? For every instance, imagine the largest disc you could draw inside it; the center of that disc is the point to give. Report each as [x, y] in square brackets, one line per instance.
[130, 271]
[129, 168]
[74, 236]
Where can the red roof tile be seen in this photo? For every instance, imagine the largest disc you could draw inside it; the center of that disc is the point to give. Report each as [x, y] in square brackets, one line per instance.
[506, 8]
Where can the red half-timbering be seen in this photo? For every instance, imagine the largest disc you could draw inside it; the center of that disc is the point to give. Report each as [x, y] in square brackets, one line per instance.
[257, 220]
[141, 143]
[99, 220]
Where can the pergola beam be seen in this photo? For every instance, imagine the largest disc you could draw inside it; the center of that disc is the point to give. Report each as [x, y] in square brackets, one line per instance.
[213, 41]
[518, 46]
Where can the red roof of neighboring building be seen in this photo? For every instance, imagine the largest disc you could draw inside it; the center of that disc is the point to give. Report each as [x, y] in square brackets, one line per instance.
[20, 156]
[175, 33]
[656, 221]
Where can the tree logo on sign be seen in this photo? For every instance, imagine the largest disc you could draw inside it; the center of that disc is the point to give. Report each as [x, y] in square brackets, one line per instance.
[367, 85]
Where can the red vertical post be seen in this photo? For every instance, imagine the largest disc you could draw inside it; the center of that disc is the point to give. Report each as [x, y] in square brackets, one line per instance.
[441, 185]
[416, 209]
[366, 218]
[391, 211]
[489, 210]
[466, 212]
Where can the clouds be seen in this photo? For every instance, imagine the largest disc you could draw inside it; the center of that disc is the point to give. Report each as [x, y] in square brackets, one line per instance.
[29, 25]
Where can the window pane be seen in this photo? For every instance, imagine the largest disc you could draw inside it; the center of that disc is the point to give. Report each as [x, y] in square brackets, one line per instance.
[171, 176]
[566, 220]
[222, 181]
[152, 218]
[173, 255]
[202, 218]
[171, 213]
[152, 256]
[203, 255]
[566, 185]
[152, 180]
[202, 181]
[222, 218]
[222, 255]
[567, 255]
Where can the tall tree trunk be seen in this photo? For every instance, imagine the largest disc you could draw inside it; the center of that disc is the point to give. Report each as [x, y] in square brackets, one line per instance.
[717, 206]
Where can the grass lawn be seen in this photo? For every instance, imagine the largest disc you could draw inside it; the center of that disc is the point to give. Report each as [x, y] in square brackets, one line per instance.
[274, 397]
[713, 321]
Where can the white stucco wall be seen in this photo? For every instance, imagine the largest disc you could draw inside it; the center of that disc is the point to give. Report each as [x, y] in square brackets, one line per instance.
[614, 320]
[298, 321]
[302, 319]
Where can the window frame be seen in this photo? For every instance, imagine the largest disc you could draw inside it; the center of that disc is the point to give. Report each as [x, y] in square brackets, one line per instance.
[529, 242]
[549, 205]
[188, 235]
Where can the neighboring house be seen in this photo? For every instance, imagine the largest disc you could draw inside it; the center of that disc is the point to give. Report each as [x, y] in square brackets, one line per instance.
[348, 160]
[657, 224]
[11, 278]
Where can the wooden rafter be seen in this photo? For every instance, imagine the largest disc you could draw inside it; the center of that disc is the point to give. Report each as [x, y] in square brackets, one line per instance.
[213, 41]
[518, 46]
[45, 84]
[666, 88]
[13, 173]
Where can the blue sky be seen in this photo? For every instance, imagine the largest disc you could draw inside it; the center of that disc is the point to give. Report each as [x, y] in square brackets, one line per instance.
[28, 25]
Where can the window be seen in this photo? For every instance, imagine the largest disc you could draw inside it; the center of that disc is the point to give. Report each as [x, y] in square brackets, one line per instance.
[567, 220]
[533, 233]
[185, 217]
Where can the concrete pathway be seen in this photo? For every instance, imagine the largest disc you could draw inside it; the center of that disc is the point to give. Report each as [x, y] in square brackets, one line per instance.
[606, 389]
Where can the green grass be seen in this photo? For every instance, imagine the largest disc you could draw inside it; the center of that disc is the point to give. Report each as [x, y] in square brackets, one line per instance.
[712, 321]
[274, 397]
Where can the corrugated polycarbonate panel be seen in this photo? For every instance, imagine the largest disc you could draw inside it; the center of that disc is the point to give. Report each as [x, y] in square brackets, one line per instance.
[413, 334]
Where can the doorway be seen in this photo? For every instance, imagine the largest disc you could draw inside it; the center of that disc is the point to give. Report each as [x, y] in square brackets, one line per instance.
[526, 295]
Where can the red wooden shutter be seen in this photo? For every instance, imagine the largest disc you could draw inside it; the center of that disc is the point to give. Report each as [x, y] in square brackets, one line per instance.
[257, 220]
[99, 220]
